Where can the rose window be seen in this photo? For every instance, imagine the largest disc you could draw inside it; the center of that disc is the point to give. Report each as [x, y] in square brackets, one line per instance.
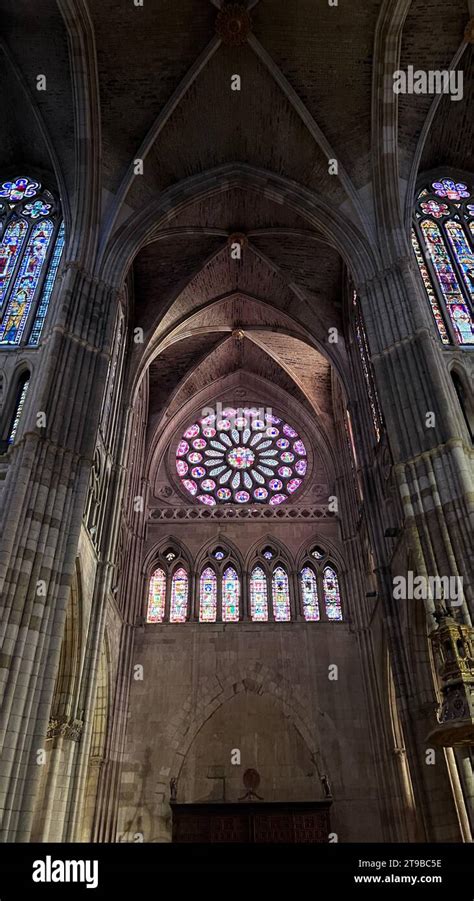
[239, 458]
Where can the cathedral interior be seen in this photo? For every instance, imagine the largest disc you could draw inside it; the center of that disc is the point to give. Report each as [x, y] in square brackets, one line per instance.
[236, 284]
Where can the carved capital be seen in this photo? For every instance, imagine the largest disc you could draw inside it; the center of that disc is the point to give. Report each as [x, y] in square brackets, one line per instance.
[65, 727]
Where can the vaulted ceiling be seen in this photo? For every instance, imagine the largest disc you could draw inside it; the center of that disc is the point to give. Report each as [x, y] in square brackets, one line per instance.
[153, 83]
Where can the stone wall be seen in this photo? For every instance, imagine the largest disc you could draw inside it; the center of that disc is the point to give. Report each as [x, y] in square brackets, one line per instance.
[208, 689]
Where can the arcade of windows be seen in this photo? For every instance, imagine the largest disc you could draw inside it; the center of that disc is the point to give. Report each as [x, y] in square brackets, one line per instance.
[217, 592]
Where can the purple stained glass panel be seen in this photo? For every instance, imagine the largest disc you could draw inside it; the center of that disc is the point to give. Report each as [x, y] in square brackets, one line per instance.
[309, 594]
[208, 596]
[230, 596]
[457, 308]
[179, 596]
[157, 597]
[332, 596]
[281, 595]
[238, 464]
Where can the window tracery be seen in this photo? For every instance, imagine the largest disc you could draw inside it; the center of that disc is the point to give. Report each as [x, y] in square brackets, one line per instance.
[220, 588]
[241, 457]
[32, 242]
[442, 235]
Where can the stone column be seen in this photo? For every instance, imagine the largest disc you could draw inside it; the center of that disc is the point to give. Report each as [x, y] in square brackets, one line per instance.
[427, 444]
[44, 499]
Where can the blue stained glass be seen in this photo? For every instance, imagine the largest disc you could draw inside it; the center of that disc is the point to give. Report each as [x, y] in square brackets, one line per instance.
[36, 209]
[47, 288]
[10, 250]
[26, 283]
[435, 308]
[462, 251]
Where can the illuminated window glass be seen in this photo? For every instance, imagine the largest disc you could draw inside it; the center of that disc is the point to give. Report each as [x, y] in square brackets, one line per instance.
[238, 458]
[309, 594]
[442, 243]
[157, 597]
[21, 397]
[281, 595]
[47, 288]
[26, 283]
[208, 596]
[10, 249]
[258, 596]
[367, 367]
[317, 553]
[332, 596]
[30, 252]
[230, 596]
[179, 596]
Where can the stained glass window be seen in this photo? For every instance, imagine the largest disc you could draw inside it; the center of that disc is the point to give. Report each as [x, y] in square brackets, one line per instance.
[208, 596]
[317, 553]
[442, 243]
[367, 367]
[332, 596]
[179, 596]
[435, 307]
[258, 596]
[47, 288]
[157, 597]
[32, 241]
[241, 457]
[281, 595]
[230, 596]
[309, 594]
[22, 390]
[10, 248]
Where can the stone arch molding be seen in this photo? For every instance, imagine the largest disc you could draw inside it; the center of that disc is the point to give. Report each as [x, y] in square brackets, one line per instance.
[214, 692]
[165, 438]
[355, 246]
